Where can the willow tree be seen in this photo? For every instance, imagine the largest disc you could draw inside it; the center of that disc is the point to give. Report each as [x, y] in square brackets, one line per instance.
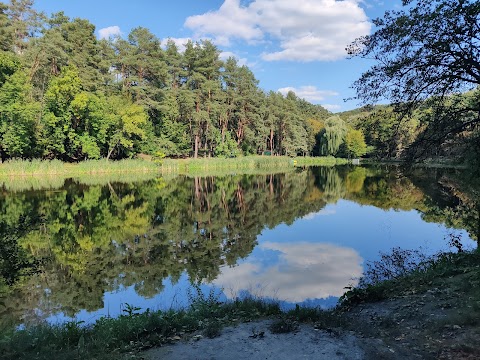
[333, 135]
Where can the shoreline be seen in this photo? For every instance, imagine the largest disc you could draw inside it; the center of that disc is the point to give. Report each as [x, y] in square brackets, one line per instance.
[189, 166]
[37, 168]
[402, 316]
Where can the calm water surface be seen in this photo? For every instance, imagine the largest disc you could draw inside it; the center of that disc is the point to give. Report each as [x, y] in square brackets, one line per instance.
[83, 251]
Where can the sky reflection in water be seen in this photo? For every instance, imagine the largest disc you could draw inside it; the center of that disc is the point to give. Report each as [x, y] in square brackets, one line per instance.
[309, 262]
[298, 237]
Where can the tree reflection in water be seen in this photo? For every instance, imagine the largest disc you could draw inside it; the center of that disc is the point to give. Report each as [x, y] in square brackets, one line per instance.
[61, 250]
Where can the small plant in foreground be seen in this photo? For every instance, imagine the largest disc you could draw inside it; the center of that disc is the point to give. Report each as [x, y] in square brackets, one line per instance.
[398, 263]
[213, 329]
[283, 325]
[130, 310]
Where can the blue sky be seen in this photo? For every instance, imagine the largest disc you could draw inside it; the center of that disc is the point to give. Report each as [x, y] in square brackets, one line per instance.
[289, 44]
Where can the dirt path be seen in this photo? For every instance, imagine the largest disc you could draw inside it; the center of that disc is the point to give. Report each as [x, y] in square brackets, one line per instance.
[437, 321]
[240, 342]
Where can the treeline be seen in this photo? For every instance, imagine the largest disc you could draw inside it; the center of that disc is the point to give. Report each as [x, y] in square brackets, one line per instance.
[429, 132]
[66, 95]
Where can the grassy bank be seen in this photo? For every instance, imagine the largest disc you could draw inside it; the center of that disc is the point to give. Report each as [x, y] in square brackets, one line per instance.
[113, 338]
[420, 307]
[248, 164]
[404, 271]
[413, 304]
[58, 168]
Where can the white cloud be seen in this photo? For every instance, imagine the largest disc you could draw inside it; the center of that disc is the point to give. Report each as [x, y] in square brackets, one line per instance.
[180, 42]
[306, 30]
[331, 107]
[323, 212]
[108, 32]
[304, 271]
[224, 55]
[230, 21]
[309, 93]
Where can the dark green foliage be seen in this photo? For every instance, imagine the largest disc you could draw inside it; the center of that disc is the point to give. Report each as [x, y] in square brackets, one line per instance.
[18, 116]
[426, 55]
[120, 97]
[283, 325]
[403, 270]
[15, 262]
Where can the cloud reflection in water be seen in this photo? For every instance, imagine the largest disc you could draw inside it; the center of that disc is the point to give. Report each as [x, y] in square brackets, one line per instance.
[302, 271]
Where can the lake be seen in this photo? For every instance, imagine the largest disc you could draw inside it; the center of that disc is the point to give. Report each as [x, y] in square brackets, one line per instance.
[81, 249]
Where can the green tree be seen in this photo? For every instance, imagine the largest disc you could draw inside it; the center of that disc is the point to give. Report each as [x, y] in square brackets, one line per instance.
[9, 63]
[82, 50]
[333, 135]
[355, 145]
[173, 139]
[428, 50]
[57, 135]
[18, 117]
[90, 118]
[202, 77]
[24, 22]
[128, 127]
[5, 38]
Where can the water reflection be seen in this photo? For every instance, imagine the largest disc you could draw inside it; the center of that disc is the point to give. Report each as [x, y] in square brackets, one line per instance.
[295, 272]
[304, 234]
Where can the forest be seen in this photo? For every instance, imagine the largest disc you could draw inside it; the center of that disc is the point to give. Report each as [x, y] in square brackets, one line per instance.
[64, 94]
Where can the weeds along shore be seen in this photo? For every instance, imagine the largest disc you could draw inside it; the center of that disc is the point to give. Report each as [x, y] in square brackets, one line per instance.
[380, 307]
[57, 168]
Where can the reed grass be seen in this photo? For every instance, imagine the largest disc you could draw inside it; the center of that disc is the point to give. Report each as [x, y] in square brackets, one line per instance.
[20, 175]
[320, 161]
[56, 167]
[247, 164]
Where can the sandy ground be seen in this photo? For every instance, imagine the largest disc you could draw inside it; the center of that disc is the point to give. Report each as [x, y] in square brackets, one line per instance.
[238, 343]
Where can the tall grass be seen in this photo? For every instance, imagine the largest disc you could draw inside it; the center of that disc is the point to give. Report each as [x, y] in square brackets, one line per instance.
[57, 167]
[248, 164]
[110, 338]
[320, 161]
[21, 175]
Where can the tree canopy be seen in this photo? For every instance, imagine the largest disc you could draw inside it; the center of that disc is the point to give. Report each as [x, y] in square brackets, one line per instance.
[428, 51]
[86, 98]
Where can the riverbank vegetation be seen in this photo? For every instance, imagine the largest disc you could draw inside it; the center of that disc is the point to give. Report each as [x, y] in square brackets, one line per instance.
[247, 164]
[126, 169]
[448, 280]
[59, 168]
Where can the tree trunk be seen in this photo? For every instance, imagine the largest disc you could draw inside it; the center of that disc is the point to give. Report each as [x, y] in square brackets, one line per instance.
[271, 141]
[111, 151]
[196, 147]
